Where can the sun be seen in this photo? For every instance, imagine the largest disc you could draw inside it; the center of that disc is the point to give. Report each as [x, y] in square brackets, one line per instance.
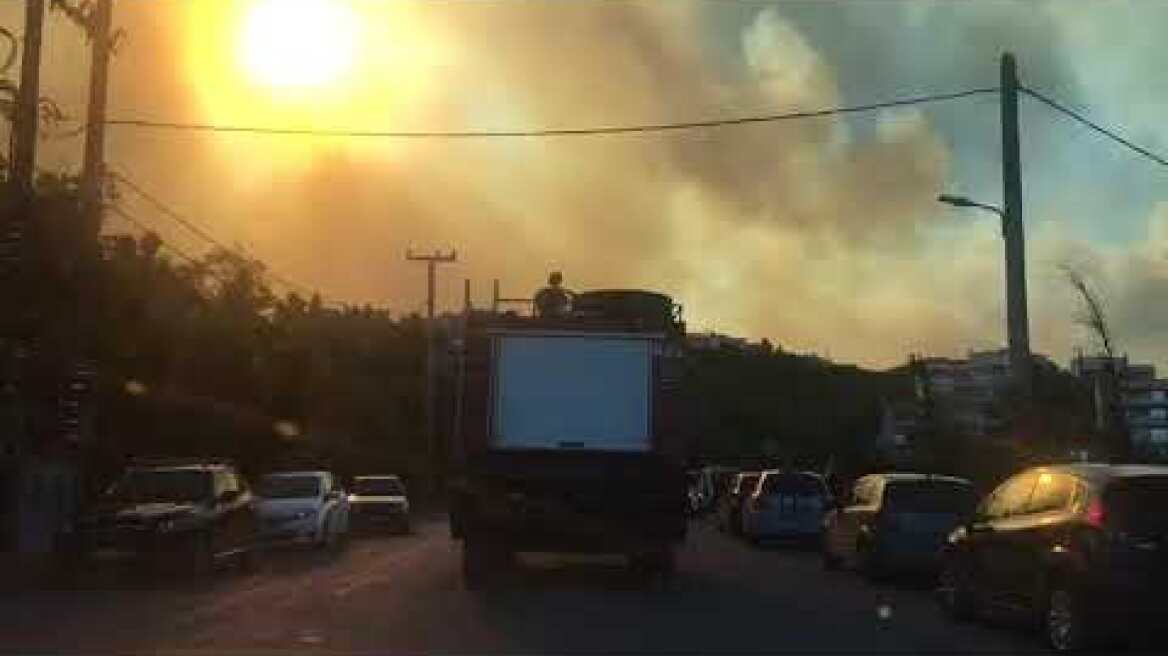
[298, 43]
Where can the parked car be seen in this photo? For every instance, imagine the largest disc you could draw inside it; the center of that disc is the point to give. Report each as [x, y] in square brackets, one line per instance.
[379, 501]
[896, 522]
[730, 512]
[786, 505]
[190, 514]
[1081, 550]
[304, 507]
[694, 493]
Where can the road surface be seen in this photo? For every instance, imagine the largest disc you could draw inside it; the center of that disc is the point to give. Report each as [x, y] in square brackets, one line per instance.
[403, 594]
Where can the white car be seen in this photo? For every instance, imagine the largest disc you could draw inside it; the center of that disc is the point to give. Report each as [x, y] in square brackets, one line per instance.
[380, 501]
[306, 507]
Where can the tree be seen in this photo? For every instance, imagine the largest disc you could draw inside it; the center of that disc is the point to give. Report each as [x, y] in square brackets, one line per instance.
[1110, 419]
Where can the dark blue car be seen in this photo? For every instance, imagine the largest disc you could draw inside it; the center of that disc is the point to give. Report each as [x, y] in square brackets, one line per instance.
[896, 522]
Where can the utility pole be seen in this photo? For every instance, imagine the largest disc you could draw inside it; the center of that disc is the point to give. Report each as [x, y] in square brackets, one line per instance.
[24, 129]
[93, 165]
[460, 345]
[1018, 325]
[432, 261]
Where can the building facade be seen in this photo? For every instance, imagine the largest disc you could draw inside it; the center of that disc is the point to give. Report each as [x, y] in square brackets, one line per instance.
[1143, 399]
[967, 392]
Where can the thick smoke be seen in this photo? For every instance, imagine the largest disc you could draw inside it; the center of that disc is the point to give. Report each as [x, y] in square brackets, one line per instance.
[820, 234]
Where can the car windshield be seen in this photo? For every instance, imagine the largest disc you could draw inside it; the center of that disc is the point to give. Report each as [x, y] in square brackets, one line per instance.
[929, 497]
[289, 487]
[747, 484]
[800, 485]
[378, 487]
[162, 485]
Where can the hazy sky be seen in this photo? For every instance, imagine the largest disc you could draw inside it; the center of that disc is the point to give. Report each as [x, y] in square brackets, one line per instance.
[820, 234]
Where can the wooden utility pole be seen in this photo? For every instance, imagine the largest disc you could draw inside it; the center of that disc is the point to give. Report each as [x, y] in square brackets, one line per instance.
[432, 261]
[459, 350]
[93, 165]
[27, 119]
[1017, 322]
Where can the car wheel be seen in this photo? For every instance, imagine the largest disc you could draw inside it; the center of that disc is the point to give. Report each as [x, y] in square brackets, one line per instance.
[953, 593]
[332, 538]
[830, 560]
[246, 560]
[870, 563]
[1063, 622]
[202, 555]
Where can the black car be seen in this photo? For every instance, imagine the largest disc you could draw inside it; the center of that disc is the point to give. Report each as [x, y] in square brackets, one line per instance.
[186, 515]
[896, 522]
[1082, 550]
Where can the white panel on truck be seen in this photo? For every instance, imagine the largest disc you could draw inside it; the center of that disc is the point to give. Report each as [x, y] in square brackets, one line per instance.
[572, 391]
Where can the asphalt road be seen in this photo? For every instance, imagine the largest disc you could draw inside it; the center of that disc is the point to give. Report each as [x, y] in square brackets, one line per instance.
[403, 594]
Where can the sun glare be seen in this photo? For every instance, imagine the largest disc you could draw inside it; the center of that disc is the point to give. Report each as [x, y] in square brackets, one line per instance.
[298, 43]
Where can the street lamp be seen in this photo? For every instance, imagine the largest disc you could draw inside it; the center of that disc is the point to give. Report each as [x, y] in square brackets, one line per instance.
[962, 201]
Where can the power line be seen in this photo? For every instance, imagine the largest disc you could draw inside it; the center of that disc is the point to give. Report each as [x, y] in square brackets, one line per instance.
[547, 132]
[202, 232]
[1110, 134]
[167, 245]
[190, 259]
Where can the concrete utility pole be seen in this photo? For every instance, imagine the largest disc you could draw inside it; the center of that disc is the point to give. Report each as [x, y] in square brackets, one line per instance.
[27, 119]
[1017, 323]
[93, 165]
[432, 261]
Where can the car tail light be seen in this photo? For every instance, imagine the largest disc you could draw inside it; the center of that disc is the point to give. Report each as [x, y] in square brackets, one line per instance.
[1096, 515]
